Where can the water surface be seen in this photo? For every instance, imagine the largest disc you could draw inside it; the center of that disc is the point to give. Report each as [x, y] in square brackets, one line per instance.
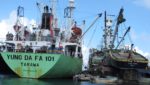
[7, 80]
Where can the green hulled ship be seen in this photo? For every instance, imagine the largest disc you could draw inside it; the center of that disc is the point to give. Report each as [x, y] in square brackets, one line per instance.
[42, 65]
[47, 51]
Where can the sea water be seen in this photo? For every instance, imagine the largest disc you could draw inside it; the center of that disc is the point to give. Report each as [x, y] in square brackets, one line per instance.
[10, 80]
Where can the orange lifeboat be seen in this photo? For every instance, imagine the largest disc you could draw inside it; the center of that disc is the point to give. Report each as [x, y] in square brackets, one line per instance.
[77, 31]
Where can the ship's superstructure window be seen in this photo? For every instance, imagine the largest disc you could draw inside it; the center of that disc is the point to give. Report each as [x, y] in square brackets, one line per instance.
[70, 50]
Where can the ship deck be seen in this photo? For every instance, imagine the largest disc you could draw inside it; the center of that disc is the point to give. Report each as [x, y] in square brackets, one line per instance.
[125, 56]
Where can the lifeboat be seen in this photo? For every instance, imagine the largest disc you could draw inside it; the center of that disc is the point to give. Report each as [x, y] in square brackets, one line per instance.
[77, 31]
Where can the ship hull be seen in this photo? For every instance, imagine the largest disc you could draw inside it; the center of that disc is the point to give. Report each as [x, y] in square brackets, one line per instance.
[128, 64]
[123, 61]
[4, 68]
[42, 65]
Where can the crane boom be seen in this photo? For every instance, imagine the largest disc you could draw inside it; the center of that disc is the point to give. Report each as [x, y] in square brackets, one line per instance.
[123, 37]
[120, 19]
[99, 15]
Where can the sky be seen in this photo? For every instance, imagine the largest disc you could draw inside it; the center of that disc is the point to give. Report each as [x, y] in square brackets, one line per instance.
[136, 12]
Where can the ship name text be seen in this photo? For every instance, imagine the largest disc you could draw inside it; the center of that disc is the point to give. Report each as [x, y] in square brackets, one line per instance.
[29, 57]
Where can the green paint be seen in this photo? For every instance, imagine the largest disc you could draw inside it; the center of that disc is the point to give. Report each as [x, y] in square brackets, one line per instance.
[42, 65]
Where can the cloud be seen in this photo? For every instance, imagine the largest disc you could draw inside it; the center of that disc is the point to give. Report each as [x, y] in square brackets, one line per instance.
[145, 54]
[6, 25]
[144, 3]
[85, 52]
[133, 34]
[142, 35]
[145, 36]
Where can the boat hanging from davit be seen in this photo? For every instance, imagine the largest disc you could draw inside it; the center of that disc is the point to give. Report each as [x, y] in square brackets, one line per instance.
[48, 51]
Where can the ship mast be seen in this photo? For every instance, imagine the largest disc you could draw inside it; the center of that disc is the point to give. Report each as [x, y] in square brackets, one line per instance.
[105, 40]
[68, 14]
[120, 19]
[107, 31]
[53, 11]
[109, 39]
[53, 6]
[68, 11]
[18, 26]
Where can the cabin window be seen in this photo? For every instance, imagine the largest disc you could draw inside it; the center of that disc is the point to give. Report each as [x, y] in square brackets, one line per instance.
[10, 47]
[33, 37]
[70, 50]
[79, 52]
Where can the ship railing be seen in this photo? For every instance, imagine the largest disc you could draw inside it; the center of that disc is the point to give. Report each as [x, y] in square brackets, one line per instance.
[55, 51]
[37, 49]
[68, 53]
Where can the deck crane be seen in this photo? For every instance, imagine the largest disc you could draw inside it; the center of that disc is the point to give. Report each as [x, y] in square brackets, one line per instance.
[99, 15]
[120, 19]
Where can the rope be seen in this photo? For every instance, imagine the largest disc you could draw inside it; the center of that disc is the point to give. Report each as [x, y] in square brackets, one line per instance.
[128, 34]
[92, 36]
